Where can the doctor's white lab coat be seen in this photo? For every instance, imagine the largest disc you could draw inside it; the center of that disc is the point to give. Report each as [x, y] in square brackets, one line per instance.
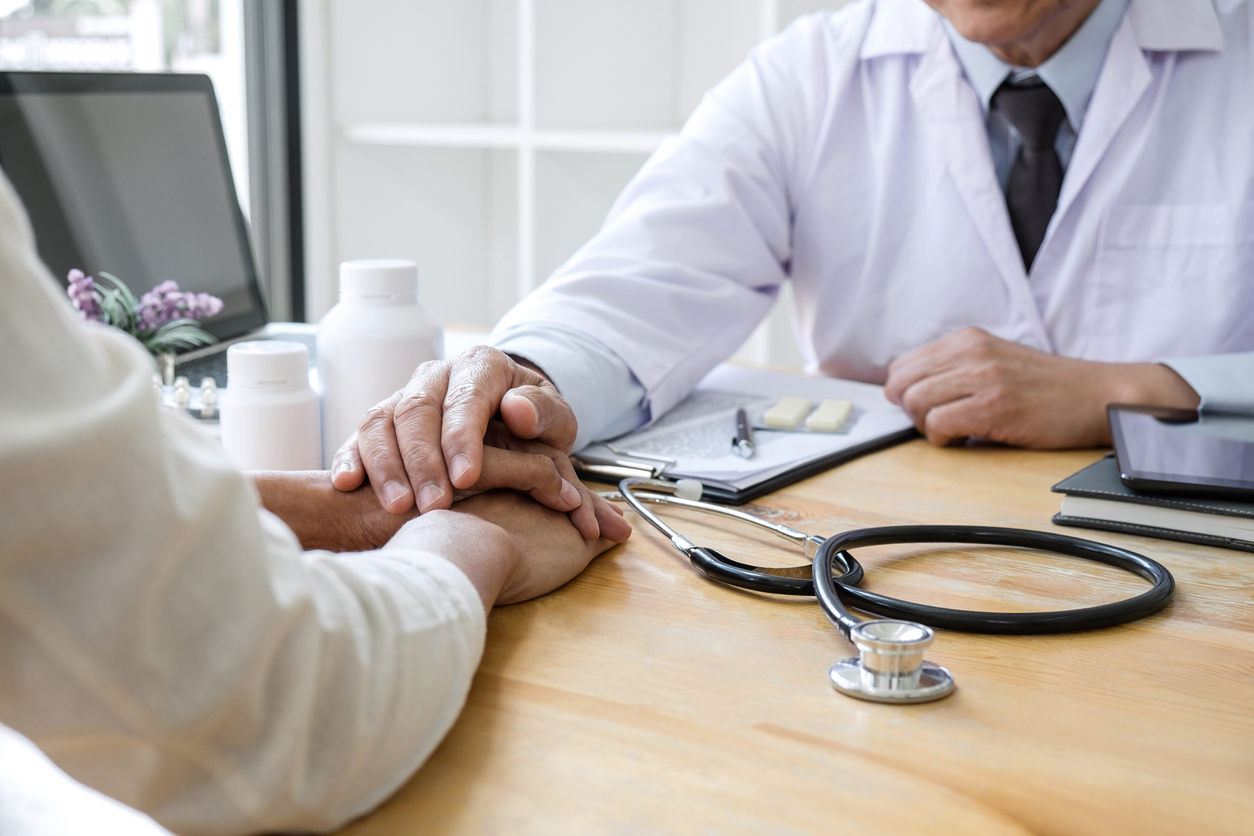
[850, 155]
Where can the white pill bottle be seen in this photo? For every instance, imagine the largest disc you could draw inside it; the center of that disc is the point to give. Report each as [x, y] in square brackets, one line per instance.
[269, 412]
[370, 343]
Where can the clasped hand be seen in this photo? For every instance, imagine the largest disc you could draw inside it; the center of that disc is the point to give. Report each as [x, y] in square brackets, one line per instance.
[478, 422]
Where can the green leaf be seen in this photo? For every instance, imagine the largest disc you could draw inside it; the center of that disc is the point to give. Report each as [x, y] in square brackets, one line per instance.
[179, 334]
[128, 297]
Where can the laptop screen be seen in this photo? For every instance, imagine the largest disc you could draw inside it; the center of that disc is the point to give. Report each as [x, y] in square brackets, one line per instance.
[127, 173]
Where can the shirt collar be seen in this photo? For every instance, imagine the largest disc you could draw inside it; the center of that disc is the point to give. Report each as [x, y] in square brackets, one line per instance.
[911, 27]
[1071, 72]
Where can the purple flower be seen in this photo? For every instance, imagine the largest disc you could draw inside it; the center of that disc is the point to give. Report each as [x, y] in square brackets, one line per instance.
[166, 303]
[82, 292]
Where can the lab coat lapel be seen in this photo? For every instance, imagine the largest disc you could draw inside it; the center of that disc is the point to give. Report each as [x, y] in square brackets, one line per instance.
[956, 125]
[1124, 78]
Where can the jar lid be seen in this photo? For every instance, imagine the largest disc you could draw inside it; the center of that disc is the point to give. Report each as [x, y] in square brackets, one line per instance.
[267, 366]
[379, 280]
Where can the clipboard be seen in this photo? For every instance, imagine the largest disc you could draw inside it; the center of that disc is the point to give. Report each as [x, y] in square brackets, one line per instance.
[694, 440]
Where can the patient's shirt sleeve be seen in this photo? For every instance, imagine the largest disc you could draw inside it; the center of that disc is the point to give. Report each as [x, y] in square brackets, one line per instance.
[605, 396]
[1225, 382]
[163, 639]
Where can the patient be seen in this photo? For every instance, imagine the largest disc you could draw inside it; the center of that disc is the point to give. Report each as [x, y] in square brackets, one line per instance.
[167, 642]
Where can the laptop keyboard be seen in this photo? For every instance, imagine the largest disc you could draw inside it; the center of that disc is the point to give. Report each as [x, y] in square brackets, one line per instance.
[214, 365]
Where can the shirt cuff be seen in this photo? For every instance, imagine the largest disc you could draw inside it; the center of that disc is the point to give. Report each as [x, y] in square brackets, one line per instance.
[1225, 382]
[605, 396]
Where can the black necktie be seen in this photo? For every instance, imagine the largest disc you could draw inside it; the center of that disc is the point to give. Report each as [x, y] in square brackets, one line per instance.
[1036, 175]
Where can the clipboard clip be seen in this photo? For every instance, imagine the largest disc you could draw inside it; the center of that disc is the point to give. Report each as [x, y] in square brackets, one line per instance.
[623, 464]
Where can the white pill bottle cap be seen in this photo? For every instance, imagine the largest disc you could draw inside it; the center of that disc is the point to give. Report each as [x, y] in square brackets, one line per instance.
[267, 366]
[383, 281]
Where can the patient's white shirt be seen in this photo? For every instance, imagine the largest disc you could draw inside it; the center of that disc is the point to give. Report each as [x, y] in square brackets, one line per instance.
[166, 641]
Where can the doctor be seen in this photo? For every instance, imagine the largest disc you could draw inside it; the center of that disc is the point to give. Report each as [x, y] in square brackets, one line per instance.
[1007, 211]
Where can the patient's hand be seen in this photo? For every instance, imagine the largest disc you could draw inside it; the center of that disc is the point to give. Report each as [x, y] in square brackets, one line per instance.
[322, 517]
[970, 383]
[511, 547]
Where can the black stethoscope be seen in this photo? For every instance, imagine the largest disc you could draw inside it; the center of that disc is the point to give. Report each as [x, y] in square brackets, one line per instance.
[890, 667]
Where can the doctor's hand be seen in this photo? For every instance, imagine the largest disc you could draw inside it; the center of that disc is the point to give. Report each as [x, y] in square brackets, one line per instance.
[443, 416]
[972, 384]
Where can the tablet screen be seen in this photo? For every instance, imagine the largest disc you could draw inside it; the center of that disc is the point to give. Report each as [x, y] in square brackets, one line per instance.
[1164, 449]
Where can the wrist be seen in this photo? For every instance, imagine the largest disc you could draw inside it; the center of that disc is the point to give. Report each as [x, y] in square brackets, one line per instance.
[1151, 384]
[322, 517]
[485, 553]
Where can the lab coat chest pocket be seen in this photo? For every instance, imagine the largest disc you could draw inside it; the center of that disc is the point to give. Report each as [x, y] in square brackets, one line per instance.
[1176, 279]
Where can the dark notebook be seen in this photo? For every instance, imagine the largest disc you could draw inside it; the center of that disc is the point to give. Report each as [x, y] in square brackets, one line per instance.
[1097, 498]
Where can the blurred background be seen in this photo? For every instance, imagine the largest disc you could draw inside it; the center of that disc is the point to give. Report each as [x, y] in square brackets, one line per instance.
[484, 139]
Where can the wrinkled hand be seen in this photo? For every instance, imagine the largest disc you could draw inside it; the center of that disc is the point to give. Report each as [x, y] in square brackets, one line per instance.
[972, 384]
[442, 416]
[510, 547]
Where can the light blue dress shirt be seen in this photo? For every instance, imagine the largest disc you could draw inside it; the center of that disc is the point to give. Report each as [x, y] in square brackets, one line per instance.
[606, 397]
[1071, 73]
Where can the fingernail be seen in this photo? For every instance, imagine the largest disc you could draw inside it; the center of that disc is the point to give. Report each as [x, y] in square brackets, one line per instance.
[570, 495]
[393, 492]
[342, 467]
[456, 470]
[428, 496]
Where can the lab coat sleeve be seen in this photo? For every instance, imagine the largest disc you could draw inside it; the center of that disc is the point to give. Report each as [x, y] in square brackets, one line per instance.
[602, 392]
[1225, 382]
[168, 643]
[693, 252]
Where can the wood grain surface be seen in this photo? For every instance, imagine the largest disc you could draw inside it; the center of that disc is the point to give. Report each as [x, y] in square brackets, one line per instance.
[642, 698]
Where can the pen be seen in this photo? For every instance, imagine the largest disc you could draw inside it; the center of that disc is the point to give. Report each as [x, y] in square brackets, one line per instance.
[742, 444]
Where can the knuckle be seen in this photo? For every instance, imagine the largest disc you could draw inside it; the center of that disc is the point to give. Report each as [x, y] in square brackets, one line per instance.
[420, 455]
[541, 471]
[414, 403]
[379, 415]
[430, 369]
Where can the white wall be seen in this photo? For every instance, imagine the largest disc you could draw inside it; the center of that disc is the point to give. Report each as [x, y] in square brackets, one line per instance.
[487, 139]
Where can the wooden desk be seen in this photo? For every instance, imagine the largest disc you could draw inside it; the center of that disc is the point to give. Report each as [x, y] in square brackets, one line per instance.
[642, 698]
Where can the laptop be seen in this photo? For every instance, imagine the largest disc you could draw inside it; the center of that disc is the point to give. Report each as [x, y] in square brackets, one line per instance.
[127, 173]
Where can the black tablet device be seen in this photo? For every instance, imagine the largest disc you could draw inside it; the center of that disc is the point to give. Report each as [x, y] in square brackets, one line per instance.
[1181, 451]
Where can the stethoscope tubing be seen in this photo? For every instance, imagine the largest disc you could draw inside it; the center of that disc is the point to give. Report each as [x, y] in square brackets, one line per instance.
[837, 593]
[834, 596]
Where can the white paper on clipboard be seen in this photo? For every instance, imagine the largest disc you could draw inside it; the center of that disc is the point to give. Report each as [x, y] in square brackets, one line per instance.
[698, 432]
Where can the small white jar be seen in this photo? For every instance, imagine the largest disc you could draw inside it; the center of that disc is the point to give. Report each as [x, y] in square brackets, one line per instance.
[370, 343]
[269, 412]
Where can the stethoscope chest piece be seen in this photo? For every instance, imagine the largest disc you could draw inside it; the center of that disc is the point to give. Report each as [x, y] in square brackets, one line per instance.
[890, 667]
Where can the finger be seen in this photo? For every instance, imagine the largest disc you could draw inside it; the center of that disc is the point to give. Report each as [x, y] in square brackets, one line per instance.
[535, 474]
[540, 413]
[610, 518]
[347, 471]
[376, 442]
[419, 418]
[932, 358]
[478, 379]
[957, 420]
[583, 517]
[939, 389]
